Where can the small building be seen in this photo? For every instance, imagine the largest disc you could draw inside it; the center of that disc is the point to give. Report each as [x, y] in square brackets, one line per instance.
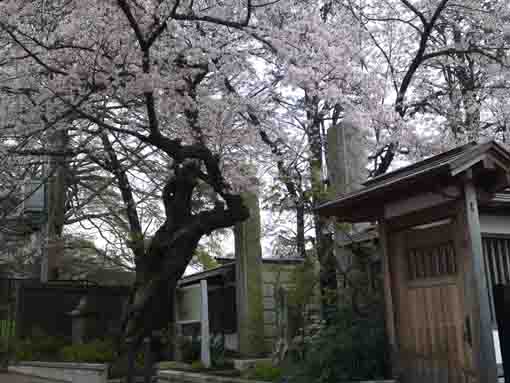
[224, 306]
[444, 234]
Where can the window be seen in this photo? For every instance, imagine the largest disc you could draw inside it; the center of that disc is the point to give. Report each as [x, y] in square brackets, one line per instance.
[432, 262]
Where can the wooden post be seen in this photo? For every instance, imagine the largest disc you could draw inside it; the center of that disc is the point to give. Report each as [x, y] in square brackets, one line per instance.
[388, 297]
[205, 352]
[483, 343]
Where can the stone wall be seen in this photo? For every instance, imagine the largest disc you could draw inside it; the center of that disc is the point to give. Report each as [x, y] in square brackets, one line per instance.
[62, 372]
[274, 277]
[170, 376]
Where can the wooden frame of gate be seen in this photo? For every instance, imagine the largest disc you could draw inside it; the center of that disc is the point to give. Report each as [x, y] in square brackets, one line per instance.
[438, 313]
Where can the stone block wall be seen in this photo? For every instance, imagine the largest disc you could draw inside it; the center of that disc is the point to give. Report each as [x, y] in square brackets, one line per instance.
[274, 277]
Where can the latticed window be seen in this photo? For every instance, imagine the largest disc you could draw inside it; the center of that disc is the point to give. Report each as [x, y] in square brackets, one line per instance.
[432, 262]
[496, 251]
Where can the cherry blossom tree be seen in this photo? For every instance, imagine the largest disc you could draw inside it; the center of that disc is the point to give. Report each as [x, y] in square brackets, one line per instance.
[139, 91]
[446, 65]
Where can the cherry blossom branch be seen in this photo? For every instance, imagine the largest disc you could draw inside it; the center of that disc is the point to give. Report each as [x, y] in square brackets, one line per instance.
[413, 9]
[418, 58]
[132, 22]
[136, 240]
[31, 54]
[214, 20]
[453, 51]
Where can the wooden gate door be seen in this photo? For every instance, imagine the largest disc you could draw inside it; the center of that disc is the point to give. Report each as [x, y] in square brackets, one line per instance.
[429, 306]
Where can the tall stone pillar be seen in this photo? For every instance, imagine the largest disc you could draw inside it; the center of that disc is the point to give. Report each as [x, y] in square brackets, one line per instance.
[249, 296]
[346, 158]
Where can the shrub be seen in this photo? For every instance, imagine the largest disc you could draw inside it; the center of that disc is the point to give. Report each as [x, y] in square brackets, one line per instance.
[264, 371]
[39, 346]
[349, 348]
[197, 365]
[97, 351]
[3, 346]
[7, 327]
[218, 354]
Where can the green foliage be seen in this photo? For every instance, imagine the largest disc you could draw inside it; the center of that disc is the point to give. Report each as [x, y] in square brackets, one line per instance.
[349, 348]
[140, 359]
[97, 351]
[7, 327]
[205, 259]
[264, 371]
[217, 347]
[39, 346]
[303, 280]
[197, 365]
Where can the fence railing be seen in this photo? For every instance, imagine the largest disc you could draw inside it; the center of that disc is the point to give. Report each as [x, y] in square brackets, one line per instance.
[28, 303]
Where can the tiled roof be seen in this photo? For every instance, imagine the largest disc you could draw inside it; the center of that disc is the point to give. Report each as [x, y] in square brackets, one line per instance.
[448, 164]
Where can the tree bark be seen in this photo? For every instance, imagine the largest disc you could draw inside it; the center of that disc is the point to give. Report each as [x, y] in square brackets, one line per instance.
[164, 261]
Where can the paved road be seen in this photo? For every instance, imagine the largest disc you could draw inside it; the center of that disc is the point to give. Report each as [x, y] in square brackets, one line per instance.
[16, 378]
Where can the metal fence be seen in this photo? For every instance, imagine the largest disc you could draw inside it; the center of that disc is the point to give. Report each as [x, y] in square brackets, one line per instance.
[48, 306]
[501, 294]
[27, 304]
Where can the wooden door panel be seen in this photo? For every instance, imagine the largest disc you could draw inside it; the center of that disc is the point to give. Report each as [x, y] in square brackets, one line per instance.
[429, 301]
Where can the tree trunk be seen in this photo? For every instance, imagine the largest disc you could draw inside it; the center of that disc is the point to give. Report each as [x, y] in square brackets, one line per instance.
[160, 266]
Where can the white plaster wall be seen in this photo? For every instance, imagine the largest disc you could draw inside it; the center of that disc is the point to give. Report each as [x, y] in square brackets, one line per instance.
[496, 224]
[189, 303]
[63, 372]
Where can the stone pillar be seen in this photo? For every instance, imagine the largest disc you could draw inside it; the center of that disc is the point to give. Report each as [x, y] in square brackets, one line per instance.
[205, 349]
[55, 251]
[79, 317]
[249, 298]
[346, 158]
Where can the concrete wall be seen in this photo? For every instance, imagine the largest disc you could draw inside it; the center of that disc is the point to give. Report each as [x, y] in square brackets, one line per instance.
[63, 372]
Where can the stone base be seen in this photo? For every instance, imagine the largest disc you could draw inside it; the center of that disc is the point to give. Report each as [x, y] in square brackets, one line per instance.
[244, 364]
[173, 365]
[169, 376]
[63, 372]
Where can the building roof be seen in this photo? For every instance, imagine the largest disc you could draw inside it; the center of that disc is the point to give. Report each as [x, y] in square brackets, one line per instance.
[228, 266]
[219, 271]
[266, 260]
[366, 204]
